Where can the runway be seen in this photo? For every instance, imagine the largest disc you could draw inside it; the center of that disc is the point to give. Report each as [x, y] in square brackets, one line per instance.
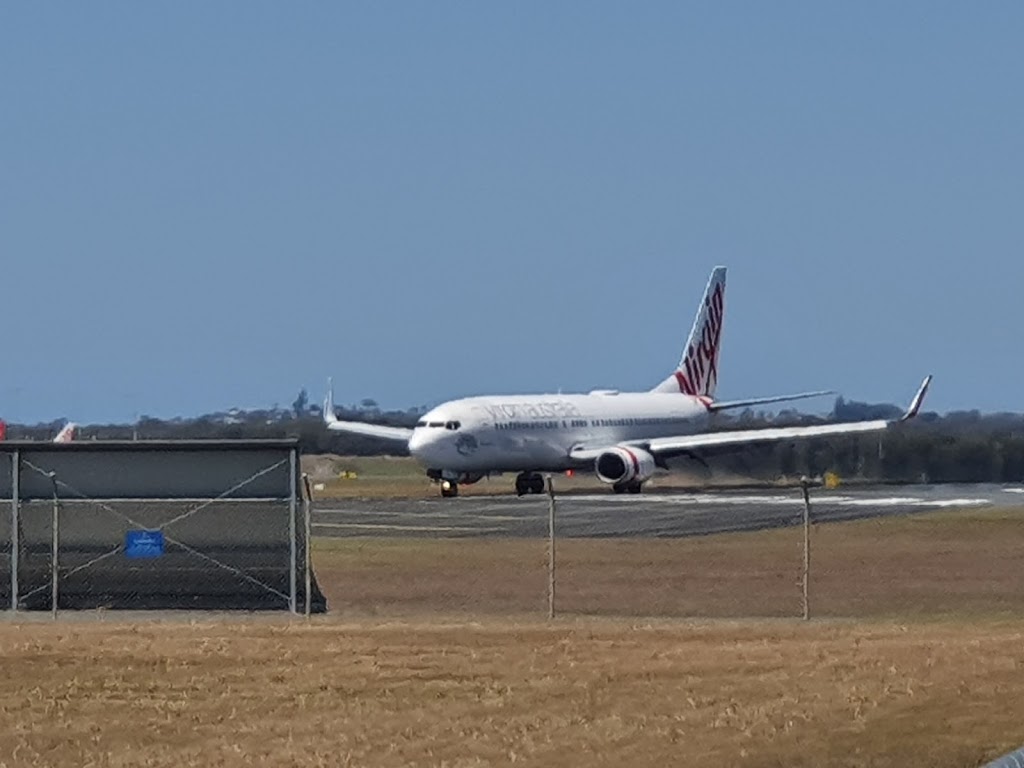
[654, 514]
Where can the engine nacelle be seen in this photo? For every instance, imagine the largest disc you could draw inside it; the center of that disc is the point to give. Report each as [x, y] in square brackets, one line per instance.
[624, 465]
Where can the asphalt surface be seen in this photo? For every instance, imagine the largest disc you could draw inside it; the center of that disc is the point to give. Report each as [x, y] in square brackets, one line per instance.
[654, 514]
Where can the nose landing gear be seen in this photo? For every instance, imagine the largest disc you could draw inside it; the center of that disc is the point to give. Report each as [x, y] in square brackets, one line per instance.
[448, 481]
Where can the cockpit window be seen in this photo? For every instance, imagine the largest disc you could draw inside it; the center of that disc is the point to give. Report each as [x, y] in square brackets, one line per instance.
[421, 423]
[452, 425]
[436, 424]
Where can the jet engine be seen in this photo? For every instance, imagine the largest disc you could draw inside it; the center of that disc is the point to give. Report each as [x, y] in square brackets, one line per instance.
[621, 465]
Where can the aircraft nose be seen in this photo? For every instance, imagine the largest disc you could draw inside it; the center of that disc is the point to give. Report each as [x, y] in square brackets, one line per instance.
[416, 441]
[419, 443]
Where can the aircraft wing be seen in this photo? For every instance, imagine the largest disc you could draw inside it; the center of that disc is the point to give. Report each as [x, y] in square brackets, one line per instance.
[372, 430]
[668, 446]
[360, 427]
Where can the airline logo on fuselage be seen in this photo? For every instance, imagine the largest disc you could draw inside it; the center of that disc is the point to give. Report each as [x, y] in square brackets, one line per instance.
[556, 409]
[700, 366]
[466, 444]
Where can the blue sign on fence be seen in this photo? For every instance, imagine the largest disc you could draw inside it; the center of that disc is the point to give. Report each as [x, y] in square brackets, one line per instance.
[143, 543]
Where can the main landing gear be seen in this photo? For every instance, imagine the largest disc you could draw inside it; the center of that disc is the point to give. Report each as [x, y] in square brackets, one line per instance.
[631, 487]
[449, 489]
[529, 482]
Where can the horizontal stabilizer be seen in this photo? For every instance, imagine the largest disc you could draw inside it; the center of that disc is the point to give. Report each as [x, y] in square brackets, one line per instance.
[728, 404]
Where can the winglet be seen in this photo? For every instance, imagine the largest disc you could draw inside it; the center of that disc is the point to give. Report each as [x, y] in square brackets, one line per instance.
[915, 404]
[328, 413]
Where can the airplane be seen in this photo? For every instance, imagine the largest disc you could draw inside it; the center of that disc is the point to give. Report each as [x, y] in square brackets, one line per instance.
[625, 436]
[66, 434]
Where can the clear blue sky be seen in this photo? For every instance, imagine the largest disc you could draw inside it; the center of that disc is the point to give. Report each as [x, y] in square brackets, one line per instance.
[207, 205]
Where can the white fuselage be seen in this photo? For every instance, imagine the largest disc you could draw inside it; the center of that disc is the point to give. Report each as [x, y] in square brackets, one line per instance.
[537, 432]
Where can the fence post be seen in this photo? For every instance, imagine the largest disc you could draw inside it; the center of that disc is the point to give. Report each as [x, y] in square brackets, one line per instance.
[807, 552]
[308, 526]
[15, 524]
[805, 484]
[551, 549]
[292, 597]
[54, 547]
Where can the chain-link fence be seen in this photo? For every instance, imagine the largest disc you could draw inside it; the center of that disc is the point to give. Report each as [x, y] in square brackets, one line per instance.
[157, 525]
[868, 552]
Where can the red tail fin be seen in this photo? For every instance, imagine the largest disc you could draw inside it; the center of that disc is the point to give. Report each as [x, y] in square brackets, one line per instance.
[67, 433]
[697, 372]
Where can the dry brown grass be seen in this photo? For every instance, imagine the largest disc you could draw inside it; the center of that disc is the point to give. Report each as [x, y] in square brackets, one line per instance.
[590, 692]
[494, 684]
[952, 563]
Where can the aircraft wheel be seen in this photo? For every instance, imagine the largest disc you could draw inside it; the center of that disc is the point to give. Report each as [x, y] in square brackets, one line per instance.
[529, 482]
[630, 487]
[449, 489]
[522, 484]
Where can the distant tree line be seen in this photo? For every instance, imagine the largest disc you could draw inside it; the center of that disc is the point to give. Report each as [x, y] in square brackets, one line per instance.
[960, 446]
